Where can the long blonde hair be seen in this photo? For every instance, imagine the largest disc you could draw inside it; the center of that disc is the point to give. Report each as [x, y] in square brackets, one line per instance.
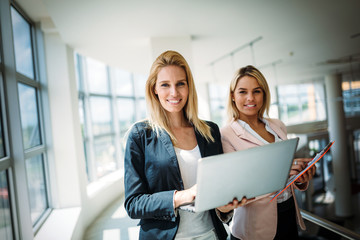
[251, 71]
[158, 118]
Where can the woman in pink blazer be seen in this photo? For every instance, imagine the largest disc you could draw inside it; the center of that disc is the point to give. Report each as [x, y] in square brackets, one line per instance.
[249, 99]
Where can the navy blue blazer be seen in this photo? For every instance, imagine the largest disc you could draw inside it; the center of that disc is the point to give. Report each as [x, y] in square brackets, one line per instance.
[152, 174]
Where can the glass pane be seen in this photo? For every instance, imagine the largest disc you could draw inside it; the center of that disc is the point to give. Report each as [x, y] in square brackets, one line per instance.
[283, 113]
[217, 91]
[36, 186]
[126, 114]
[123, 83]
[97, 76]
[29, 116]
[218, 113]
[140, 81]
[293, 110]
[104, 155]
[82, 117]
[351, 94]
[2, 143]
[302, 103]
[78, 69]
[274, 111]
[307, 107]
[100, 108]
[356, 135]
[22, 44]
[85, 146]
[120, 163]
[213, 91]
[5, 211]
[141, 109]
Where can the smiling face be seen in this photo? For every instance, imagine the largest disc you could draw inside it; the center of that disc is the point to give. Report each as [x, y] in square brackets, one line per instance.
[248, 97]
[172, 88]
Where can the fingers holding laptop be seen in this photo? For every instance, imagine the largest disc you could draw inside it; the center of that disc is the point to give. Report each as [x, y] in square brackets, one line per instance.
[234, 204]
[184, 196]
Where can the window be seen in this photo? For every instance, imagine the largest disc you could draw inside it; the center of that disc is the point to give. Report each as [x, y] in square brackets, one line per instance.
[37, 187]
[29, 116]
[96, 73]
[2, 139]
[356, 135]
[5, 211]
[140, 81]
[110, 101]
[28, 92]
[123, 83]
[218, 100]
[23, 155]
[351, 94]
[141, 112]
[6, 219]
[22, 44]
[104, 149]
[301, 103]
[125, 120]
[101, 116]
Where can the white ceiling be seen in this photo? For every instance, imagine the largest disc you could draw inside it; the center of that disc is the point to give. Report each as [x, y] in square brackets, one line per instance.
[300, 35]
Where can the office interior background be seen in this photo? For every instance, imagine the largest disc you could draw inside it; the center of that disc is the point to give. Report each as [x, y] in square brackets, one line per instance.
[72, 77]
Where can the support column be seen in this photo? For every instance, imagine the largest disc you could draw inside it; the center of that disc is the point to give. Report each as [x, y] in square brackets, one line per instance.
[68, 163]
[337, 132]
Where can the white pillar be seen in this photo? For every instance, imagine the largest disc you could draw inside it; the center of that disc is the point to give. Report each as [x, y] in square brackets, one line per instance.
[62, 120]
[337, 132]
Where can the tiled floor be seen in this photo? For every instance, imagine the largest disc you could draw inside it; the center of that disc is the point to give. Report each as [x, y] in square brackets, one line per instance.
[113, 224]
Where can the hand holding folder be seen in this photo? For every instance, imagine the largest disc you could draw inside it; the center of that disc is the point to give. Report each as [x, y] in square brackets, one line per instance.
[308, 166]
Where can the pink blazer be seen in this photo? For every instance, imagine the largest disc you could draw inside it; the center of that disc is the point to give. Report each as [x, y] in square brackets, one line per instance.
[258, 219]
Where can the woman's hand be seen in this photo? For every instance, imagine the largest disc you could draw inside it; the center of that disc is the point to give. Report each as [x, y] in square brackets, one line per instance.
[298, 165]
[232, 205]
[184, 196]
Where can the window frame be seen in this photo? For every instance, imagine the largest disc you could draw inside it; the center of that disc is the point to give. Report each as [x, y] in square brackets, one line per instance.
[15, 154]
[299, 103]
[89, 138]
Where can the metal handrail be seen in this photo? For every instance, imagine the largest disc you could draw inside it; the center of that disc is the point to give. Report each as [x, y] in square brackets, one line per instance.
[344, 232]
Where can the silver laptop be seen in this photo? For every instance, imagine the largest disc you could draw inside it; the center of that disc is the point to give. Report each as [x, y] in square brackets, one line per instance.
[251, 173]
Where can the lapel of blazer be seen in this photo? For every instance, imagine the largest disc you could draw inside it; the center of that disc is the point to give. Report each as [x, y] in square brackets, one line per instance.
[242, 133]
[276, 128]
[201, 143]
[165, 139]
[173, 162]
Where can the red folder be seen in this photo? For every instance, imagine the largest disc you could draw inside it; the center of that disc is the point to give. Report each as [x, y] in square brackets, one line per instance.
[309, 165]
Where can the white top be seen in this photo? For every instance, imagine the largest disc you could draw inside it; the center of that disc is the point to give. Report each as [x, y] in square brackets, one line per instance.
[287, 193]
[191, 224]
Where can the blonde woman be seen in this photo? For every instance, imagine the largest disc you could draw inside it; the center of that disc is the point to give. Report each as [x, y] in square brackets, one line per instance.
[249, 100]
[161, 158]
